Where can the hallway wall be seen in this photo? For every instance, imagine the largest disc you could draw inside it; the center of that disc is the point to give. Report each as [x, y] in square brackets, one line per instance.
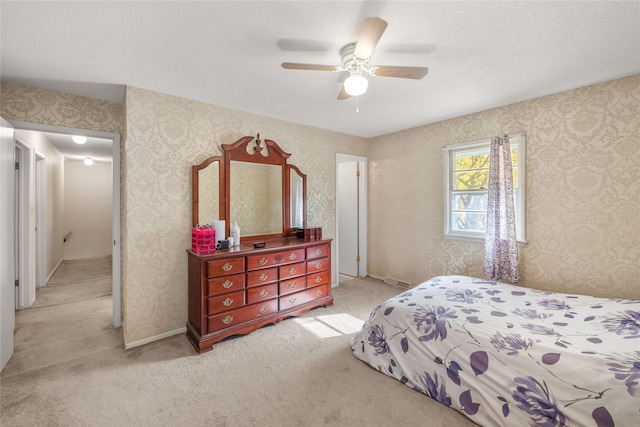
[88, 194]
[54, 194]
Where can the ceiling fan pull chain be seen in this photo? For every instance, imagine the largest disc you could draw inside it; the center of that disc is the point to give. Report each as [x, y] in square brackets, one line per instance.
[357, 104]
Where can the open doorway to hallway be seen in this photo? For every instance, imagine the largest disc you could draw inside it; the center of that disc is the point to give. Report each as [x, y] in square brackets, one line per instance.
[70, 186]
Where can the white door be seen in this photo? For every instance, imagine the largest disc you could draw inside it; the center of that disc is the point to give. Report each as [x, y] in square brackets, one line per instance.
[7, 230]
[349, 230]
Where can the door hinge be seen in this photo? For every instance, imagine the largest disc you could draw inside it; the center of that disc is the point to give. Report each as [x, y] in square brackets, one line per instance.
[357, 173]
[17, 165]
[17, 283]
[358, 258]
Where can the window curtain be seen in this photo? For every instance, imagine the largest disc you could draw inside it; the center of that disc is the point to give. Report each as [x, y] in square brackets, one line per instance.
[501, 246]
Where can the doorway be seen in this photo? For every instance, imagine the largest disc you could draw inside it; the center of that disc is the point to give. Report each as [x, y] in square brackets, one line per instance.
[40, 171]
[351, 215]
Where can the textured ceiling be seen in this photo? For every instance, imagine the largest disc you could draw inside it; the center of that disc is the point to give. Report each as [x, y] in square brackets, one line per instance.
[480, 54]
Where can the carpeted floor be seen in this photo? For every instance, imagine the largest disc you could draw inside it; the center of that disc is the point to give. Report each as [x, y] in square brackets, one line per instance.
[69, 369]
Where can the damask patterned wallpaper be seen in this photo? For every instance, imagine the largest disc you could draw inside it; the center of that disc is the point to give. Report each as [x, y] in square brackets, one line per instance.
[583, 181]
[36, 105]
[166, 135]
[582, 187]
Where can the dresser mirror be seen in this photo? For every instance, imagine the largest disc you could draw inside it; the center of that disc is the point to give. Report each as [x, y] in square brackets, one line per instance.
[255, 200]
[208, 190]
[297, 196]
[262, 192]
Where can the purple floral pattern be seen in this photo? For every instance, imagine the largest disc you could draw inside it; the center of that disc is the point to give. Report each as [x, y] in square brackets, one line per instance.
[533, 398]
[505, 355]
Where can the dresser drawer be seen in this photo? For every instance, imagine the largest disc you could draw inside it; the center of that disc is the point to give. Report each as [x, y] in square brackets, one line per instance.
[292, 285]
[262, 277]
[292, 300]
[261, 293]
[317, 265]
[292, 270]
[276, 258]
[316, 279]
[321, 251]
[225, 284]
[244, 314]
[226, 302]
[225, 267]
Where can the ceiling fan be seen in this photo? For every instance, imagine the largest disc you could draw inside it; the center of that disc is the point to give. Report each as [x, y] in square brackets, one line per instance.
[355, 60]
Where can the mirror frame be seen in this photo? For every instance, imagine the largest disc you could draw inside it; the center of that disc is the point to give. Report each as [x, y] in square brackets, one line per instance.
[241, 150]
[289, 167]
[195, 186]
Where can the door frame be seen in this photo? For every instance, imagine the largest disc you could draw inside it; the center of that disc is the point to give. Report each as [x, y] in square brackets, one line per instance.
[115, 205]
[363, 270]
[7, 248]
[26, 294]
[40, 172]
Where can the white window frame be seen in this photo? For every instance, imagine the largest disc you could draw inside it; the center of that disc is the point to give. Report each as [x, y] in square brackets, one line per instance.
[449, 156]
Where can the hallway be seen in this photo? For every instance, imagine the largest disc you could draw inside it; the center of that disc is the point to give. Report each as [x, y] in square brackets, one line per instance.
[71, 318]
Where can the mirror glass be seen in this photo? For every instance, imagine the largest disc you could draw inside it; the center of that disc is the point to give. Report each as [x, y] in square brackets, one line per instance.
[256, 198]
[209, 193]
[297, 198]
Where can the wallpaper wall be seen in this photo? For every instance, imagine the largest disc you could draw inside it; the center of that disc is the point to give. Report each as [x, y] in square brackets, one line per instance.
[582, 187]
[583, 181]
[165, 136]
[44, 106]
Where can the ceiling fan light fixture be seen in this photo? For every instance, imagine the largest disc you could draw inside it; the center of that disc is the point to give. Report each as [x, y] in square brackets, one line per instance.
[79, 139]
[356, 85]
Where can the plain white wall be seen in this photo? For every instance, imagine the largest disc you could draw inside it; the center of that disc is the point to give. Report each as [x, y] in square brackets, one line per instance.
[87, 209]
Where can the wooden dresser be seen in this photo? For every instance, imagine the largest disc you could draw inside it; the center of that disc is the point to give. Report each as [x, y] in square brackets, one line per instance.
[236, 291]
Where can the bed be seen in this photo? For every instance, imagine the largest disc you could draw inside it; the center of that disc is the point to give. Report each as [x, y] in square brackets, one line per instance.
[505, 355]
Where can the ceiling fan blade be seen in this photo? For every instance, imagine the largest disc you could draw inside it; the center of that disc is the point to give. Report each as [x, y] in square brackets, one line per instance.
[372, 30]
[343, 94]
[402, 72]
[314, 67]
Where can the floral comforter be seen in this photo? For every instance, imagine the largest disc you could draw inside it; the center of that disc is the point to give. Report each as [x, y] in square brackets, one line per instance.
[505, 355]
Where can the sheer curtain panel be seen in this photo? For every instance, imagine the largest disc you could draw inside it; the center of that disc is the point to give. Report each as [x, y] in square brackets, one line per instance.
[501, 246]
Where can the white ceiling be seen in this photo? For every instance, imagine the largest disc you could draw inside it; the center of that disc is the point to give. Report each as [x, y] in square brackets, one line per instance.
[480, 54]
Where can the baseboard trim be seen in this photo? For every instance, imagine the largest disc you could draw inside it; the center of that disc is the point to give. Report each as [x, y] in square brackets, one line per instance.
[52, 272]
[128, 346]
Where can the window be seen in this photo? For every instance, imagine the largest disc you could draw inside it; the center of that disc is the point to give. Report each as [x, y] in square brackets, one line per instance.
[466, 169]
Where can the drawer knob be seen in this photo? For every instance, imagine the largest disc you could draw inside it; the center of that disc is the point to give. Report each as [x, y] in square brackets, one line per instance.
[293, 270]
[292, 285]
[227, 267]
[318, 251]
[264, 293]
[263, 309]
[227, 302]
[262, 261]
[318, 279]
[228, 319]
[227, 284]
[318, 292]
[263, 277]
[293, 255]
[292, 300]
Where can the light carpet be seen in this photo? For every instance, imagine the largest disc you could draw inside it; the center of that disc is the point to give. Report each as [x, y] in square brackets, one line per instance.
[70, 369]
